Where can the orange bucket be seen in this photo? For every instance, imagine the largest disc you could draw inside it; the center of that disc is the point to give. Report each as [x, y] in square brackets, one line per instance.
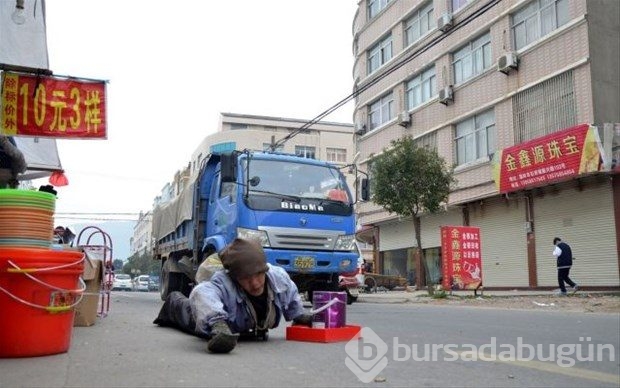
[39, 289]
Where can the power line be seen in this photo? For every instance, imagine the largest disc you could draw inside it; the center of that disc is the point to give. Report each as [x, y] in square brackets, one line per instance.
[94, 219]
[474, 15]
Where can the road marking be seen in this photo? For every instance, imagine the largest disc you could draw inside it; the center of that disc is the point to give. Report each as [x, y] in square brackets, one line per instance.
[552, 368]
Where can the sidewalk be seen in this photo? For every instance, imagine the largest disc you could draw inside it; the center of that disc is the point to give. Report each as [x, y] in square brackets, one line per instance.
[419, 295]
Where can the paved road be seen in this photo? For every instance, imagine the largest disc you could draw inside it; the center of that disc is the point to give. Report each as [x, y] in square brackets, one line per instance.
[126, 350]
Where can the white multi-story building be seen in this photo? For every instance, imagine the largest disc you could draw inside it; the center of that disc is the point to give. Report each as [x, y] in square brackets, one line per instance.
[323, 140]
[476, 80]
[140, 243]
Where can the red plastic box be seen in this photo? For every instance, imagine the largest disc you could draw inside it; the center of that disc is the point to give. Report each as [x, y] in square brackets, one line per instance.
[336, 334]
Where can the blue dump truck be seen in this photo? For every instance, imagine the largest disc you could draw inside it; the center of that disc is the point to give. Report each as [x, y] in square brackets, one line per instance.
[300, 209]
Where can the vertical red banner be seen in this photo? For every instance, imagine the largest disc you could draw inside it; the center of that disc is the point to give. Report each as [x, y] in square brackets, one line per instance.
[461, 257]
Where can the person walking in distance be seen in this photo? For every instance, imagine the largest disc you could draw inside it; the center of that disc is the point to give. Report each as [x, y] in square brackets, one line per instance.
[564, 257]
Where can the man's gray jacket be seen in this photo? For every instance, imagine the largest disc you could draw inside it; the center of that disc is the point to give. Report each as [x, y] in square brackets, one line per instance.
[221, 298]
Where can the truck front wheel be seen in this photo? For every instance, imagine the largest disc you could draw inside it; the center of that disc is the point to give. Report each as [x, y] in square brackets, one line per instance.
[173, 281]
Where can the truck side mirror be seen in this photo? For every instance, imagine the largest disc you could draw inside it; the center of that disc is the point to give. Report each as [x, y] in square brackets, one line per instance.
[365, 191]
[228, 167]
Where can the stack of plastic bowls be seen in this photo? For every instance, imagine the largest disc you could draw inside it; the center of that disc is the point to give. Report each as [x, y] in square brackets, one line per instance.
[26, 218]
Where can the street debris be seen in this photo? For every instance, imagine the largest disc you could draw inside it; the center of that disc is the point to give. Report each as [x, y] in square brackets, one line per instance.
[543, 304]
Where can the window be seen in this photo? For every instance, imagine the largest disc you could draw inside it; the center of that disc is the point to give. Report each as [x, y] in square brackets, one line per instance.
[421, 88]
[379, 54]
[419, 24]
[227, 189]
[337, 155]
[369, 169]
[305, 151]
[538, 19]
[427, 141]
[223, 147]
[375, 6]
[475, 137]
[458, 4]
[267, 147]
[544, 108]
[472, 59]
[381, 111]
[237, 126]
[433, 264]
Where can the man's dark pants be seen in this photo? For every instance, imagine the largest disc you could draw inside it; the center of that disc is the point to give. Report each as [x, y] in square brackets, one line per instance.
[563, 277]
[176, 312]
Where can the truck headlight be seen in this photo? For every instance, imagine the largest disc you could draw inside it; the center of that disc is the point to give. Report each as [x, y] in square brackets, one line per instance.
[253, 234]
[345, 263]
[345, 243]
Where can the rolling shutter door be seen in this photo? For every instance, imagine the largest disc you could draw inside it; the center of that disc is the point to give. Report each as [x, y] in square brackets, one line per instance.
[397, 235]
[585, 220]
[431, 226]
[400, 235]
[503, 237]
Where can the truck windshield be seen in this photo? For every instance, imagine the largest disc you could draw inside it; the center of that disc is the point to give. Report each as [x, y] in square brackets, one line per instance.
[300, 183]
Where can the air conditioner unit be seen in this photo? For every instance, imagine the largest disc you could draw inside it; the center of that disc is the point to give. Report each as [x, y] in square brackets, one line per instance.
[360, 129]
[507, 62]
[446, 95]
[404, 119]
[444, 23]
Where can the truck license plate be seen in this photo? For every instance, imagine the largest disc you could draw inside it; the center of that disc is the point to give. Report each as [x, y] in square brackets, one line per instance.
[304, 262]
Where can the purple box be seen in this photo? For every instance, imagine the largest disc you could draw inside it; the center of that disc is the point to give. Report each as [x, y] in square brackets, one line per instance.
[335, 315]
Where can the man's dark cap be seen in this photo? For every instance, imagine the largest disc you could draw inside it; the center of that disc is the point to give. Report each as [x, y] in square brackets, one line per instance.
[243, 258]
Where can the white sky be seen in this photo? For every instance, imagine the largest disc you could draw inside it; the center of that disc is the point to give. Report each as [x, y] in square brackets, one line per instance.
[173, 66]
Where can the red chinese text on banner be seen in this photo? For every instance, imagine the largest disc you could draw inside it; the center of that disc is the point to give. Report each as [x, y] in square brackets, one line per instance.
[47, 106]
[557, 156]
[461, 257]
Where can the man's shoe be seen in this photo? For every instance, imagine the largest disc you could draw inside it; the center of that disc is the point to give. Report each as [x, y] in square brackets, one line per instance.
[222, 339]
[574, 289]
[222, 343]
[560, 293]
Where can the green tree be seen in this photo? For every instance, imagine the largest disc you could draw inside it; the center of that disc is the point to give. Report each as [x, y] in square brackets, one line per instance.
[141, 262]
[409, 180]
[118, 265]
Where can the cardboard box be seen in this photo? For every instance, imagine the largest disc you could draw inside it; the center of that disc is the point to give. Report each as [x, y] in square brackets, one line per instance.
[86, 310]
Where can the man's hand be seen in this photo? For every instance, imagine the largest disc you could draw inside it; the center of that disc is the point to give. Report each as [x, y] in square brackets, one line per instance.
[222, 339]
[304, 319]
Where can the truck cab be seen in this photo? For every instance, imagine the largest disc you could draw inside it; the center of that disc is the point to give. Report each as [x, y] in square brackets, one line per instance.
[301, 211]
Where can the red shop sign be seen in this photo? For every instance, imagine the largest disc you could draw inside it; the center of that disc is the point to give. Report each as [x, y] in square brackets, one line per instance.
[555, 157]
[47, 106]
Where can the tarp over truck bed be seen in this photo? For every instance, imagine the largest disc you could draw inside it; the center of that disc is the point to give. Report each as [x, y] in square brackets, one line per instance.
[167, 217]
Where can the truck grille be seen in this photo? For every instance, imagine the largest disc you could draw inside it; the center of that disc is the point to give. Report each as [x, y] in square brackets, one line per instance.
[304, 239]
